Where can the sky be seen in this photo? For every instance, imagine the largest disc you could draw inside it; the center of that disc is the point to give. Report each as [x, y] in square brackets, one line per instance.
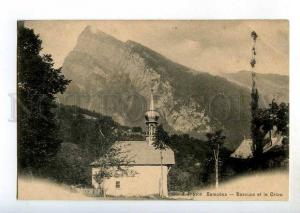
[210, 46]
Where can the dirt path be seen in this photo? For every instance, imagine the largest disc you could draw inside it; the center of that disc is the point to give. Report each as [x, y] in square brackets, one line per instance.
[37, 189]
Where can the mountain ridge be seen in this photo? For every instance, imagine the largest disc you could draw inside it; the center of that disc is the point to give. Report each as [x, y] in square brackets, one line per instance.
[271, 86]
[116, 77]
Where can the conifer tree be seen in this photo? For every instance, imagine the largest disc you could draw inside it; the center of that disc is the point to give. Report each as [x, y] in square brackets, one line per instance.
[37, 84]
[256, 134]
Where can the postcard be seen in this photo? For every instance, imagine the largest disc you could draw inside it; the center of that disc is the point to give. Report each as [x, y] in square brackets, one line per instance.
[153, 110]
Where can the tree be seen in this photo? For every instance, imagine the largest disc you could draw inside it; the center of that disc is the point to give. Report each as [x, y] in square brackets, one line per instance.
[162, 138]
[215, 141]
[114, 162]
[282, 124]
[180, 179]
[71, 166]
[280, 117]
[190, 168]
[264, 121]
[37, 84]
[256, 133]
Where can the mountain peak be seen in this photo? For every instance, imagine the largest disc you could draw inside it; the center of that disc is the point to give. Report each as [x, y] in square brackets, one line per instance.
[94, 34]
[93, 30]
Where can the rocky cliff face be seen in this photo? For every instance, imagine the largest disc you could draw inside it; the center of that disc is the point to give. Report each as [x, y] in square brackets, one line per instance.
[115, 78]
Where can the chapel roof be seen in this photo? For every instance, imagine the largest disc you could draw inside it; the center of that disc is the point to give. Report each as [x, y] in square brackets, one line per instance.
[141, 153]
[244, 151]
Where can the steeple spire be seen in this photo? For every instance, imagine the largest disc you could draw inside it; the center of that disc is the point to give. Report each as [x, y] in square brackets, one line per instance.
[151, 117]
[151, 101]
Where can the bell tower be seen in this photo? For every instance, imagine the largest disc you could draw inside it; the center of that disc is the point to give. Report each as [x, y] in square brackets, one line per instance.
[151, 117]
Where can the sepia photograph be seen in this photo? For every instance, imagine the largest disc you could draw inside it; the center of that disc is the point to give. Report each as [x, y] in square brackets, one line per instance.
[152, 110]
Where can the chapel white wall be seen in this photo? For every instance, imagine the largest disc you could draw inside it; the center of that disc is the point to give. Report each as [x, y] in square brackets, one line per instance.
[145, 182]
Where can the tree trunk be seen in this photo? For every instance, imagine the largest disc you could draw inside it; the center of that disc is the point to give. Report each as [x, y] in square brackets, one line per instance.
[161, 175]
[216, 156]
[217, 173]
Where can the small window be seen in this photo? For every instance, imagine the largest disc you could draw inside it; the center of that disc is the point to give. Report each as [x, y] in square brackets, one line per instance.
[118, 184]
